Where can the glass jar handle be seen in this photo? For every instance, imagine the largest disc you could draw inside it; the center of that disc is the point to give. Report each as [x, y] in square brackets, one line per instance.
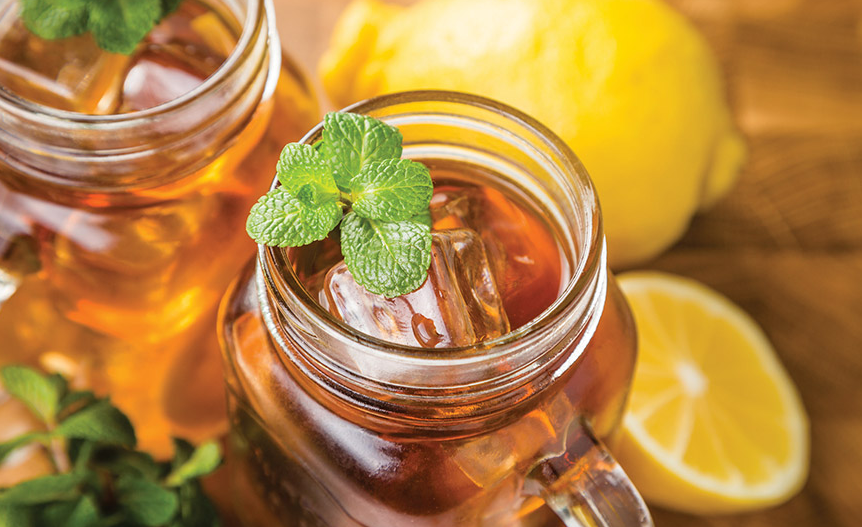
[586, 487]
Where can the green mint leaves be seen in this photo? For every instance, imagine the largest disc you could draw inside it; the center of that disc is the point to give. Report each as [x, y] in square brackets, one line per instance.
[303, 170]
[391, 189]
[41, 394]
[117, 25]
[351, 141]
[386, 254]
[100, 421]
[279, 219]
[100, 479]
[386, 233]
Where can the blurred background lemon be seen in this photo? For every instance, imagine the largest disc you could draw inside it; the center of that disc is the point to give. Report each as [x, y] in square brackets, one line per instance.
[628, 84]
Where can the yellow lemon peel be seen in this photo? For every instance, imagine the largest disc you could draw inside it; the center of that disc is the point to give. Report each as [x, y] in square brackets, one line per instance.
[630, 85]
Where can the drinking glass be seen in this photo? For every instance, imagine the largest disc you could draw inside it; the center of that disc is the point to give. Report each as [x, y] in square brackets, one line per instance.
[121, 225]
[331, 426]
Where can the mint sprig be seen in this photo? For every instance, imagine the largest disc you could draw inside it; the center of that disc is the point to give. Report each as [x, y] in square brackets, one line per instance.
[386, 255]
[390, 189]
[41, 394]
[101, 480]
[280, 219]
[356, 167]
[350, 141]
[304, 173]
[117, 25]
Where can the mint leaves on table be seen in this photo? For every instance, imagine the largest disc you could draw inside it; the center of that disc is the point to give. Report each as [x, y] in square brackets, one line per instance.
[356, 167]
[117, 25]
[100, 479]
[41, 394]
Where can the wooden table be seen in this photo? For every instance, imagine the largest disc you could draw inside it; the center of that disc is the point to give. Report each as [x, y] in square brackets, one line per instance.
[786, 243]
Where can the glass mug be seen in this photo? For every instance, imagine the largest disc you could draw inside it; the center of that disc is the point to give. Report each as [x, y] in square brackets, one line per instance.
[334, 427]
[121, 225]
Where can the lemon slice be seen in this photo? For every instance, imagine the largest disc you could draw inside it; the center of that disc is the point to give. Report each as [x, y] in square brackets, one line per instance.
[714, 424]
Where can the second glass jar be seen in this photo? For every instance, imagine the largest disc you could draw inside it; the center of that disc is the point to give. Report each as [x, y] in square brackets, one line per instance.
[120, 232]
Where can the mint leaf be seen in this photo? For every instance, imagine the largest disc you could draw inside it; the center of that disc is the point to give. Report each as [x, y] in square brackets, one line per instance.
[55, 513]
[203, 460]
[308, 196]
[43, 490]
[423, 218]
[101, 422]
[281, 220]
[129, 463]
[80, 513]
[105, 471]
[196, 510]
[183, 450]
[15, 516]
[387, 258]
[169, 6]
[386, 236]
[392, 189]
[74, 401]
[350, 141]
[302, 170]
[40, 393]
[80, 454]
[14, 444]
[119, 25]
[146, 503]
[85, 513]
[52, 19]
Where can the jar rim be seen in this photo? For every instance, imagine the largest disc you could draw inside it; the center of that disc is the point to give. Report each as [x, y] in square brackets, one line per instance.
[591, 264]
[50, 116]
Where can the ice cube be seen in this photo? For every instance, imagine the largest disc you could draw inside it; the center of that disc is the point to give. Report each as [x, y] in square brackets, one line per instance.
[70, 74]
[180, 53]
[74, 74]
[156, 77]
[458, 305]
[523, 253]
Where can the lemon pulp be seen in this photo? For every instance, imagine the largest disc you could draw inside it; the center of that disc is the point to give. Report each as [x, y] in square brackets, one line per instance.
[714, 423]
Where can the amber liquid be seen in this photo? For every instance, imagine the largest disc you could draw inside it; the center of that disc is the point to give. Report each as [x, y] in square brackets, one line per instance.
[303, 459]
[119, 291]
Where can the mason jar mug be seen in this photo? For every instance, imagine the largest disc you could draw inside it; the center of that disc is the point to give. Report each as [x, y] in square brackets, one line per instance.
[124, 186]
[333, 426]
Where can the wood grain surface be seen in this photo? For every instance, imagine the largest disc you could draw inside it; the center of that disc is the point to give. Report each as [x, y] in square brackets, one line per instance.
[786, 243]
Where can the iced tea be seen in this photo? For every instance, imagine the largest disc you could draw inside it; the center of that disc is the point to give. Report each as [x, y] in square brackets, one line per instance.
[121, 223]
[435, 408]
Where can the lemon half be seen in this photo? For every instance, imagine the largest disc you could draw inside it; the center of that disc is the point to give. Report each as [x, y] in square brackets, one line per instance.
[714, 425]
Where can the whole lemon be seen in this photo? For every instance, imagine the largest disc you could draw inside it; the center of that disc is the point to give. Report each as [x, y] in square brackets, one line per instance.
[628, 84]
